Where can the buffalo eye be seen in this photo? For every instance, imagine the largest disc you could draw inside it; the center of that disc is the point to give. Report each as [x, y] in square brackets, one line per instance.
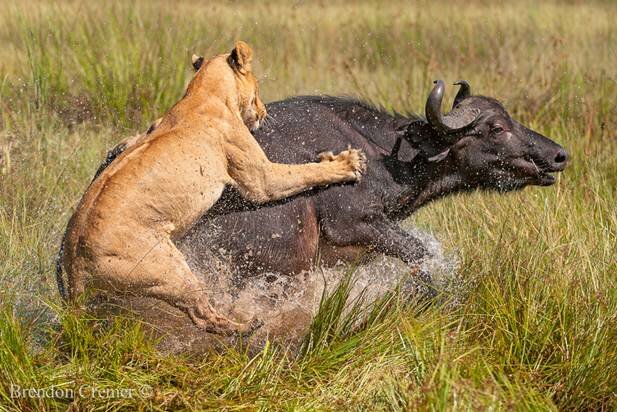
[497, 130]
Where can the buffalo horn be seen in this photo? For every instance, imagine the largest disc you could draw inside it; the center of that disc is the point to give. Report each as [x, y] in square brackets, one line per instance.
[454, 121]
[463, 93]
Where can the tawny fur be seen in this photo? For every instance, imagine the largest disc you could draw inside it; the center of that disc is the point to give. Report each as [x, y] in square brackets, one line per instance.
[121, 236]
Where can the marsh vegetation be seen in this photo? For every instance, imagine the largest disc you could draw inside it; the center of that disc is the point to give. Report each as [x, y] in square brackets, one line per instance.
[538, 328]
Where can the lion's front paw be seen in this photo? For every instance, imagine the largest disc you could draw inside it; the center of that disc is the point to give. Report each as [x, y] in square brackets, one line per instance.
[351, 161]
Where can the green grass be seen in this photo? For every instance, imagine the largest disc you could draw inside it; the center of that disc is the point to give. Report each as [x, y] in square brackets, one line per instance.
[537, 331]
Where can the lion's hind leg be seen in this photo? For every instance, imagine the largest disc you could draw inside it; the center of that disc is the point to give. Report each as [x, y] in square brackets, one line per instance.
[162, 273]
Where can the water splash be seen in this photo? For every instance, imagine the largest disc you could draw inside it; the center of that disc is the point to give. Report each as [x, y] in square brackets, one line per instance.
[287, 304]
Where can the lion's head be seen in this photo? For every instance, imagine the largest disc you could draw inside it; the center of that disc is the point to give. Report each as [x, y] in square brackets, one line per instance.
[252, 109]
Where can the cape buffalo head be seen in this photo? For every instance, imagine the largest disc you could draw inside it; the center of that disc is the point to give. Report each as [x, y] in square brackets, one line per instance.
[489, 149]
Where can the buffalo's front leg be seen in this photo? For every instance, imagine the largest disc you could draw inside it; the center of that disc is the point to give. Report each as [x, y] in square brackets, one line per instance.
[377, 233]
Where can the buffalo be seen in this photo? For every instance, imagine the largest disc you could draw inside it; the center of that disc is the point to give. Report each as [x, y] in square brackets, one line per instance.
[412, 160]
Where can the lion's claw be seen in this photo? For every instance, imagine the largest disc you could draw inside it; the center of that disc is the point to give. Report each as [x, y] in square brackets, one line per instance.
[352, 161]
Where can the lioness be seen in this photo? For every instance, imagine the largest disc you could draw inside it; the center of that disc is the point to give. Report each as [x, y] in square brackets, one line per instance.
[122, 232]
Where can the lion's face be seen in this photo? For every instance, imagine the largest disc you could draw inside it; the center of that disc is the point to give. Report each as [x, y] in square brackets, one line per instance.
[252, 109]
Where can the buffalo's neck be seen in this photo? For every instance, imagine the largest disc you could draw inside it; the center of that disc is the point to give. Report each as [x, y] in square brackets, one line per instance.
[426, 181]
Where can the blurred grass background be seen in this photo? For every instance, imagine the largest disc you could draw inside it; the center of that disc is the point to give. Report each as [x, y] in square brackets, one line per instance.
[539, 329]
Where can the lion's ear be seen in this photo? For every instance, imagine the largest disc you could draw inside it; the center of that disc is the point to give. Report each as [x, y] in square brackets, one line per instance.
[197, 61]
[241, 57]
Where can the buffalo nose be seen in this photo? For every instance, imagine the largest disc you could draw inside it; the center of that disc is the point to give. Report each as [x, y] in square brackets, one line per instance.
[561, 158]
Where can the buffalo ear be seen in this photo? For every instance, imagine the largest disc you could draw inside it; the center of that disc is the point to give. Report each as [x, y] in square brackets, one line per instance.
[402, 151]
[197, 61]
[422, 138]
[241, 57]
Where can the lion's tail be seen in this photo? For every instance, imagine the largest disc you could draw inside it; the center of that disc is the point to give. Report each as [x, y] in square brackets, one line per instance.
[60, 273]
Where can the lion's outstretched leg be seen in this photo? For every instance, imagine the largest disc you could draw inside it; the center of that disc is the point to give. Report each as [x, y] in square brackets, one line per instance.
[261, 181]
[162, 272]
